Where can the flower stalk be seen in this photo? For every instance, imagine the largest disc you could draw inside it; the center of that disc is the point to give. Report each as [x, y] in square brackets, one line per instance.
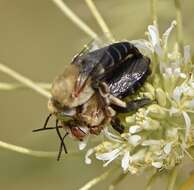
[24, 80]
[179, 25]
[159, 135]
[14, 86]
[172, 179]
[100, 20]
[75, 19]
[118, 180]
[154, 17]
[151, 180]
[29, 152]
[97, 180]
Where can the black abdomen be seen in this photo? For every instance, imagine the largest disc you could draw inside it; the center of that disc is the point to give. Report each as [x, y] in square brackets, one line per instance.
[121, 50]
[129, 77]
[100, 61]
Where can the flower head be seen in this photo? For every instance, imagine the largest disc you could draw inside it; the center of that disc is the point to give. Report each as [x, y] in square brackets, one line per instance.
[160, 134]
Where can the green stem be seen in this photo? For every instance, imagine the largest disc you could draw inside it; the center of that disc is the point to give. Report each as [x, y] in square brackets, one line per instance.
[75, 19]
[99, 20]
[154, 16]
[179, 24]
[152, 180]
[120, 178]
[29, 152]
[172, 179]
[97, 180]
[14, 86]
[24, 80]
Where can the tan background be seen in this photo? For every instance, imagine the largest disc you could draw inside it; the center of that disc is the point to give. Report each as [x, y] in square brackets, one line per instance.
[37, 40]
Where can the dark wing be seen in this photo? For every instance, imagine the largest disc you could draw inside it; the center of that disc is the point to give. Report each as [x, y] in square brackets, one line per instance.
[97, 63]
[129, 77]
[88, 64]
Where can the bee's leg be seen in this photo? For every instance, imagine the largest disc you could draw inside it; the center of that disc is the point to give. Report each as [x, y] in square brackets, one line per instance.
[109, 98]
[117, 102]
[119, 105]
[116, 124]
[133, 105]
[104, 98]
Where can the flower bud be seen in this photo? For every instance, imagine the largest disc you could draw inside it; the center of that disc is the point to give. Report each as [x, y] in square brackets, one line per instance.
[135, 129]
[134, 140]
[149, 88]
[148, 95]
[161, 97]
[156, 112]
[151, 124]
[157, 165]
[130, 119]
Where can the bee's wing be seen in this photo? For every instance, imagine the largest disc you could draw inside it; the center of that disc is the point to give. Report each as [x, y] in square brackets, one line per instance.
[129, 77]
[89, 67]
[104, 59]
[99, 63]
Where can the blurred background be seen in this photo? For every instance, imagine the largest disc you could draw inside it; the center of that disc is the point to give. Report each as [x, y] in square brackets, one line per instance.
[37, 40]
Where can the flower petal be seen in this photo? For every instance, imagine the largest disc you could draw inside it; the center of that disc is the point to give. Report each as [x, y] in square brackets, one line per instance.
[178, 92]
[125, 161]
[134, 140]
[139, 156]
[157, 164]
[191, 104]
[166, 34]
[187, 54]
[153, 35]
[151, 142]
[111, 136]
[135, 129]
[82, 144]
[172, 133]
[173, 110]
[144, 46]
[108, 155]
[159, 51]
[178, 73]
[114, 157]
[168, 148]
[89, 153]
[187, 123]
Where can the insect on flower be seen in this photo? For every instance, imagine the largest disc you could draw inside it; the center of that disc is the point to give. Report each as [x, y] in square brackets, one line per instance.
[90, 92]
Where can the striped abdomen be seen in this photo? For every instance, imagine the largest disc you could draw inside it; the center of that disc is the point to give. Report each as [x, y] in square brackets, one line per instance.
[129, 77]
[102, 60]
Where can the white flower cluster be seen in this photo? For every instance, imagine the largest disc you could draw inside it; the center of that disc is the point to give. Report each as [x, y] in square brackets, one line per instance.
[158, 135]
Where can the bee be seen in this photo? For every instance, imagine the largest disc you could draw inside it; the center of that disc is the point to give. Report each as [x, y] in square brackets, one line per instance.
[90, 92]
